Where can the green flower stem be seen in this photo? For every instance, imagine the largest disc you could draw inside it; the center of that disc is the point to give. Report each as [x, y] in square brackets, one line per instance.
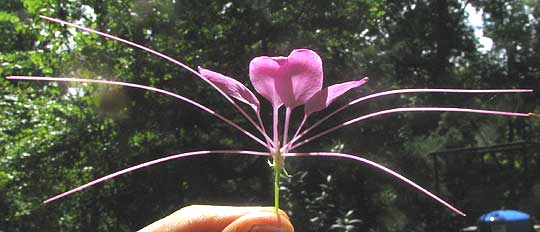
[278, 166]
[277, 170]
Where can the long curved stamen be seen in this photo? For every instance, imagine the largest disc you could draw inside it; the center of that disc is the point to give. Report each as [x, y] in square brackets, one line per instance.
[150, 163]
[381, 167]
[401, 110]
[168, 58]
[400, 91]
[212, 112]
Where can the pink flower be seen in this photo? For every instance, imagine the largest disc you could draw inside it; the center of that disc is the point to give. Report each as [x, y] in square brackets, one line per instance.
[292, 81]
[289, 80]
[296, 80]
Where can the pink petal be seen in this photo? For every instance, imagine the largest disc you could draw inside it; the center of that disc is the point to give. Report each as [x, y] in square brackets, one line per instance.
[262, 73]
[231, 87]
[300, 76]
[326, 96]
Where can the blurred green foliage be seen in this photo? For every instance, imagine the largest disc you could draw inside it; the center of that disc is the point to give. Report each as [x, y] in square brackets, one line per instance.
[54, 137]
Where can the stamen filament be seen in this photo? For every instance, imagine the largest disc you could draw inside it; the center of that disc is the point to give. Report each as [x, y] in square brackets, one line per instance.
[168, 58]
[400, 91]
[269, 142]
[401, 110]
[286, 126]
[294, 138]
[381, 167]
[177, 96]
[275, 126]
[150, 163]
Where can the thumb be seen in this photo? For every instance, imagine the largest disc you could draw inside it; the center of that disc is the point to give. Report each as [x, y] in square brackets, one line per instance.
[261, 221]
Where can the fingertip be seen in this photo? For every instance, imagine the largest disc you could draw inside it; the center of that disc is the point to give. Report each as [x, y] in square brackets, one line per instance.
[262, 221]
[273, 211]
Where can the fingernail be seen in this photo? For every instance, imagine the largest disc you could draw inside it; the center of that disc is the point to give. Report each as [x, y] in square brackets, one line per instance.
[266, 228]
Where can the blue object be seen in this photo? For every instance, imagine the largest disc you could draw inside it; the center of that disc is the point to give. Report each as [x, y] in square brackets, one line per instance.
[505, 221]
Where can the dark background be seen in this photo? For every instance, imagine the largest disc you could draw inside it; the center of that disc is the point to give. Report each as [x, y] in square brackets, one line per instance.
[54, 137]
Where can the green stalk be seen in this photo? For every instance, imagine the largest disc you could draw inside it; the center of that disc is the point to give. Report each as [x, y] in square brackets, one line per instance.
[276, 186]
[277, 170]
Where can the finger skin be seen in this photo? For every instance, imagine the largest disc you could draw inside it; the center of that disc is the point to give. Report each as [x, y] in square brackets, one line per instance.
[204, 218]
[260, 222]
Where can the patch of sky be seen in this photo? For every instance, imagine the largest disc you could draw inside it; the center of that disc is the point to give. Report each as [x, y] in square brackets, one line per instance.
[474, 19]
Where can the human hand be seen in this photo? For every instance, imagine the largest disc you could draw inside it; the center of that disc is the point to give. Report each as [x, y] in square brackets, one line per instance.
[206, 218]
